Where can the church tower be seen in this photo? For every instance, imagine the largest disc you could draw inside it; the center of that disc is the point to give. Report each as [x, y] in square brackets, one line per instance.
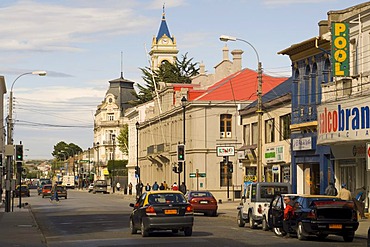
[163, 46]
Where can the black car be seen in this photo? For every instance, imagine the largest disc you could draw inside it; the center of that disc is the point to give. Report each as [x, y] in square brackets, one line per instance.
[315, 215]
[25, 191]
[162, 210]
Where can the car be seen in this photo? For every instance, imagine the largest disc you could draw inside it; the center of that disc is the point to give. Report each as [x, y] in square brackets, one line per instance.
[42, 182]
[316, 215]
[46, 190]
[25, 191]
[202, 202]
[162, 210]
[100, 186]
[62, 191]
[91, 187]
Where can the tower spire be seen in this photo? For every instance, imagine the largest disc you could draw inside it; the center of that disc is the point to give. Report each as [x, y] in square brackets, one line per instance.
[121, 64]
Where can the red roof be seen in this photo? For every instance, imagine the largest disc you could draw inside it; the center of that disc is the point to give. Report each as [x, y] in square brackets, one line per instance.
[240, 86]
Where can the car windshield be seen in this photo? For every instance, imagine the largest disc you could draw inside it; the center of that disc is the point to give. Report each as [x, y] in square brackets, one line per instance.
[166, 198]
[268, 192]
[200, 194]
[100, 182]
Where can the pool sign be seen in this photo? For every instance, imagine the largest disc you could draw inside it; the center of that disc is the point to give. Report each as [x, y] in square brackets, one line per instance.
[225, 151]
[340, 48]
[368, 155]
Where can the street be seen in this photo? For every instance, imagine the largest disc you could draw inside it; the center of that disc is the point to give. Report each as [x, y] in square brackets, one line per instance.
[86, 219]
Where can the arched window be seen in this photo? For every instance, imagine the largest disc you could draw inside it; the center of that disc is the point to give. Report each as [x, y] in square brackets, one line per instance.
[225, 125]
[327, 71]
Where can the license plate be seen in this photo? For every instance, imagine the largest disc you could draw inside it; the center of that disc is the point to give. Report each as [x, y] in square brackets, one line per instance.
[170, 211]
[203, 202]
[335, 226]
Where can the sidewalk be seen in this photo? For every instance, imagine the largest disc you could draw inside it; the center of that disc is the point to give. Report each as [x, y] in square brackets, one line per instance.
[19, 228]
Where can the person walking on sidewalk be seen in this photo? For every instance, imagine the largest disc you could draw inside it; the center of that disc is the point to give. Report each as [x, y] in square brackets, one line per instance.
[358, 199]
[54, 193]
[130, 188]
[344, 194]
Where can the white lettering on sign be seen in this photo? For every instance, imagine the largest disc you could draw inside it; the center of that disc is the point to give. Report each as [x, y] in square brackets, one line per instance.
[225, 151]
[302, 144]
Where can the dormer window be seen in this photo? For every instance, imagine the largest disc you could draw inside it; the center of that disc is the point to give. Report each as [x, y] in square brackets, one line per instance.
[225, 126]
[110, 116]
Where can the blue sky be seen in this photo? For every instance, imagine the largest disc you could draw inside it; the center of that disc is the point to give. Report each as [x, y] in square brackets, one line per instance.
[79, 44]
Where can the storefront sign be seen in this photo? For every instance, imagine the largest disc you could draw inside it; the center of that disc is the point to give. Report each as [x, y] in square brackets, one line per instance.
[302, 144]
[340, 49]
[274, 154]
[347, 120]
[225, 151]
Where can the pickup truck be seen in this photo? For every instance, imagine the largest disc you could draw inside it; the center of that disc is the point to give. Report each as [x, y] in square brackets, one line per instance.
[257, 200]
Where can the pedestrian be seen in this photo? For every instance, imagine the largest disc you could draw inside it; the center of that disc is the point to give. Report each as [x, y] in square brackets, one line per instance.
[288, 214]
[174, 186]
[331, 190]
[161, 187]
[147, 187]
[155, 186]
[344, 194]
[183, 188]
[118, 185]
[165, 185]
[54, 193]
[359, 200]
[130, 188]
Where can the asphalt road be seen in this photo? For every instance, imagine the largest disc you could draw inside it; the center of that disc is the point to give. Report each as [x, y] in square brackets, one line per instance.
[86, 219]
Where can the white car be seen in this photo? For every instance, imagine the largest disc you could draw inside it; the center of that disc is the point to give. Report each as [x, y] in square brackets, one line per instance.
[91, 187]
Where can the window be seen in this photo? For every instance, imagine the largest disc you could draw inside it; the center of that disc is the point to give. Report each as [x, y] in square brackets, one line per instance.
[270, 130]
[225, 126]
[246, 134]
[223, 175]
[285, 127]
[110, 116]
[254, 133]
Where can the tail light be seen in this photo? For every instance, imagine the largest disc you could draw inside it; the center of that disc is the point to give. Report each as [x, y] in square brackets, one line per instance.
[189, 210]
[311, 214]
[150, 211]
[259, 209]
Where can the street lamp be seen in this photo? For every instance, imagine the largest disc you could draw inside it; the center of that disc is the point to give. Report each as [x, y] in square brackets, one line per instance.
[97, 154]
[114, 153]
[259, 105]
[137, 154]
[183, 104]
[10, 128]
[89, 164]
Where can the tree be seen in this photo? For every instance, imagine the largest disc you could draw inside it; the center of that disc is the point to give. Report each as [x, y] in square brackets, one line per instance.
[68, 150]
[123, 139]
[181, 71]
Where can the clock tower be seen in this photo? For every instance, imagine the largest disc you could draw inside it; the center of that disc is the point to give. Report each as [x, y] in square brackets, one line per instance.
[163, 46]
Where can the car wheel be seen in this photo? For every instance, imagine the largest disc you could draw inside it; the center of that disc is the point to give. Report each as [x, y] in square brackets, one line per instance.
[144, 233]
[348, 236]
[240, 220]
[188, 231]
[133, 230]
[278, 231]
[65, 197]
[252, 222]
[300, 232]
[265, 226]
[43, 196]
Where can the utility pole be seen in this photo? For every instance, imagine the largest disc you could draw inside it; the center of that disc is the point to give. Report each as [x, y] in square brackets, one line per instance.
[260, 113]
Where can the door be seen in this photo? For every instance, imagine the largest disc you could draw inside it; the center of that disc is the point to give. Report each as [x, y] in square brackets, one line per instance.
[276, 212]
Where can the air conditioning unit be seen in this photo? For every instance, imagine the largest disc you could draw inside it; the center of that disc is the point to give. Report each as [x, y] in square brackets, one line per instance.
[222, 134]
[228, 134]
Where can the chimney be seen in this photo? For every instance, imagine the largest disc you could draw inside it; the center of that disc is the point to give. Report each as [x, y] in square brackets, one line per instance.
[225, 53]
[237, 60]
[202, 68]
[323, 27]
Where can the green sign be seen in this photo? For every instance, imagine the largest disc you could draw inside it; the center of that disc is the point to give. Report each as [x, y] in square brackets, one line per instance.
[200, 175]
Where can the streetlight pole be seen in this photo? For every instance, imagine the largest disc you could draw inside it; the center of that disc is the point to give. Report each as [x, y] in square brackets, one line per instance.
[183, 104]
[97, 159]
[89, 164]
[259, 105]
[137, 154]
[114, 153]
[10, 128]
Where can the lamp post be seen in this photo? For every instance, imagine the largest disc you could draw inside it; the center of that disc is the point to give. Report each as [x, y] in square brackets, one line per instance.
[89, 163]
[259, 105]
[137, 154]
[10, 128]
[114, 153]
[183, 104]
[97, 154]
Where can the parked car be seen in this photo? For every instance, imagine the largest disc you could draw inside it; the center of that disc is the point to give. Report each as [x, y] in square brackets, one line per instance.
[46, 190]
[25, 191]
[100, 186]
[202, 202]
[317, 215]
[91, 187]
[62, 191]
[162, 210]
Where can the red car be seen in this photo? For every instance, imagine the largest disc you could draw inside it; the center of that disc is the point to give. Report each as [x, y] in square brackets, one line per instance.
[202, 202]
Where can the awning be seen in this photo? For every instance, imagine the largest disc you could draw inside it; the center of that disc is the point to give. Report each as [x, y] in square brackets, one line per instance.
[245, 147]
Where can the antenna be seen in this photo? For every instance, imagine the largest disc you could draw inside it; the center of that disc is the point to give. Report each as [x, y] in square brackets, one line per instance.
[121, 64]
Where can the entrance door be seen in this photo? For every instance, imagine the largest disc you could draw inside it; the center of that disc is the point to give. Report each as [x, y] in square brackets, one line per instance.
[312, 179]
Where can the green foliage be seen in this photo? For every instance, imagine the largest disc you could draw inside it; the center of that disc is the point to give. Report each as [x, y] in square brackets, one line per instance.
[62, 150]
[180, 71]
[120, 168]
[123, 139]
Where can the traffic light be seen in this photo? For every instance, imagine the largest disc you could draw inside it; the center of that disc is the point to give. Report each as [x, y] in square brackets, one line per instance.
[174, 169]
[180, 152]
[1, 159]
[230, 167]
[18, 152]
[19, 167]
[179, 169]
[137, 171]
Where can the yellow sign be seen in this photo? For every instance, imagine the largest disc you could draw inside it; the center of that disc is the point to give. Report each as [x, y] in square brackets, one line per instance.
[105, 171]
[340, 49]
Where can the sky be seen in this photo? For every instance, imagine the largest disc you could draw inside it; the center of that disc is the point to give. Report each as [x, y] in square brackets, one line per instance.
[82, 44]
